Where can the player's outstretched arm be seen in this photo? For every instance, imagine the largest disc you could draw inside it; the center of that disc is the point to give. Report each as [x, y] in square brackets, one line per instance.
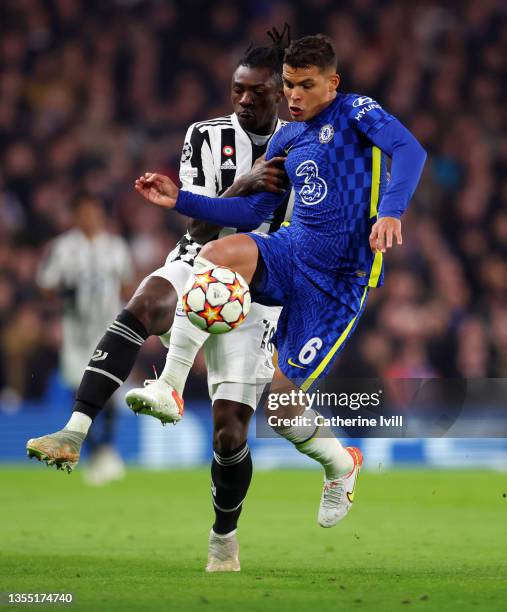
[242, 213]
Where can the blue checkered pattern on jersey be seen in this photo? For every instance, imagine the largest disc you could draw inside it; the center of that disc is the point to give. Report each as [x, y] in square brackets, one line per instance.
[331, 154]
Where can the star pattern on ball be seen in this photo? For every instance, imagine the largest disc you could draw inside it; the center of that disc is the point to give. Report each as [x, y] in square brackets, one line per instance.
[204, 280]
[211, 314]
[237, 291]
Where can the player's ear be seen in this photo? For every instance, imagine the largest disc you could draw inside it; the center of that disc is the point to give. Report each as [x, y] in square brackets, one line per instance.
[334, 82]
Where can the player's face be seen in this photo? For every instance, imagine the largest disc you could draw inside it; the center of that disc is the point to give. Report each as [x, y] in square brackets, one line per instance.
[255, 97]
[90, 217]
[308, 90]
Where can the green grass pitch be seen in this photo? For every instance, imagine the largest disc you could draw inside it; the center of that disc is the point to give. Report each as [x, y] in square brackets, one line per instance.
[415, 540]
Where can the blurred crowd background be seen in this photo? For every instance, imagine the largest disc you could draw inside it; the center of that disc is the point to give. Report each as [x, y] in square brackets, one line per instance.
[95, 92]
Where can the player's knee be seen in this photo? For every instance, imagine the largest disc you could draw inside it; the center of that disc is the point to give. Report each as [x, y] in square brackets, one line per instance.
[238, 252]
[230, 425]
[229, 437]
[153, 304]
[215, 252]
[230, 251]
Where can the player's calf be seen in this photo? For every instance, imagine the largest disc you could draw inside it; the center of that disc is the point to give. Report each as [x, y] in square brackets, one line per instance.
[154, 304]
[231, 473]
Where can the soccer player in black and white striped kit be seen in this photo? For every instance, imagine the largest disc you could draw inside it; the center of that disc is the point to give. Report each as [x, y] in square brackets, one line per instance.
[216, 160]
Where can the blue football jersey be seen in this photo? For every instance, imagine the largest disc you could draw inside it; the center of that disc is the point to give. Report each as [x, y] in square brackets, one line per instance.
[338, 176]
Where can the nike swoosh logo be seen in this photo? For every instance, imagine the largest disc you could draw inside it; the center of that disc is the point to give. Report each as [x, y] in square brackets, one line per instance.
[290, 362]
[351, 494]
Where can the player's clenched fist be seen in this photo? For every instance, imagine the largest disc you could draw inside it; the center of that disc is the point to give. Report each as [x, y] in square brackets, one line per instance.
[382, 232]
[158, 189]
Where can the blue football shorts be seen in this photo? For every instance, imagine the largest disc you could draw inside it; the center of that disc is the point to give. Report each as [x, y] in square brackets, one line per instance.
[314, 324]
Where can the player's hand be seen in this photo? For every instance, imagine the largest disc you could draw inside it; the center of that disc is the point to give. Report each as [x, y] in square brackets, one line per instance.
[158, 189]
[382, 233]
[267, 175]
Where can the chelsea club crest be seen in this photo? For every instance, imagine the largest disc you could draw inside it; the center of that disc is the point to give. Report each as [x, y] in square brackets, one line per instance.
[326, 133]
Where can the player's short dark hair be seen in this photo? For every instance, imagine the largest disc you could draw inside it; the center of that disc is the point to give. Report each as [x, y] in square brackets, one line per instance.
[270, 57]
[86, 196]
[308, 51]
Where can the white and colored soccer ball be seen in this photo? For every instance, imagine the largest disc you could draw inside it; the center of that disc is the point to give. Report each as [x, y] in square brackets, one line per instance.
[217, 300]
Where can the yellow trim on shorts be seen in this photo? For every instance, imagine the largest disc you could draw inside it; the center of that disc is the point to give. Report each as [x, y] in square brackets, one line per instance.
[376, 267]
[343, 336]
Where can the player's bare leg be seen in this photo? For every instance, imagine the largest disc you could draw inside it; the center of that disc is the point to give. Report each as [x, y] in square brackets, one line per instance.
[341, 465]
[149, 312]
[231, 473]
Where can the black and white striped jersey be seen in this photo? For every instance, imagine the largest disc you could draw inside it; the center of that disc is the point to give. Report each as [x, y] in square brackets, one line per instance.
[216, 152]
[89, 275]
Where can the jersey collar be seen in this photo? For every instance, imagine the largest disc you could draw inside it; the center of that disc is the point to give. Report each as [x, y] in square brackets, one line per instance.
[237, 127]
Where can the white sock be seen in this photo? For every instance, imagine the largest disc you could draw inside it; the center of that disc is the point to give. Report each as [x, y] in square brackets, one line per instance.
[186, 340]
[79, 422]
[335, 459]
[320, 444]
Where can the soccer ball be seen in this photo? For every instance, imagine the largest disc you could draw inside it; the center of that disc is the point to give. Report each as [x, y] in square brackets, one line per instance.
[217, 300]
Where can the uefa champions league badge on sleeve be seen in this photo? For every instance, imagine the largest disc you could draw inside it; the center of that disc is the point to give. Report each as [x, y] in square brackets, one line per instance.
[326, 133]
[186, 152]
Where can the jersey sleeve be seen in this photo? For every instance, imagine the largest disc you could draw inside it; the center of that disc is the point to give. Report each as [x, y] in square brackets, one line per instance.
[244, 213]
[407, 164]
[277, 143]
[197, 171]
[365, 115]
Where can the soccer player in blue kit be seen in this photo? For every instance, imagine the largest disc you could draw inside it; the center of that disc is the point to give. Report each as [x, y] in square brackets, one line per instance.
[320, 268]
